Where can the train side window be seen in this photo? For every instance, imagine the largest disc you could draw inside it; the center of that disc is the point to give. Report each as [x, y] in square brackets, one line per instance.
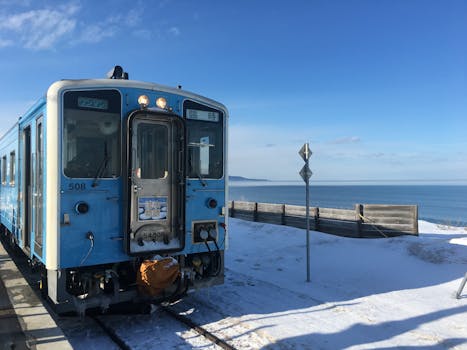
[205, 141]
[4, 170]
[12, 168]
[205, 149]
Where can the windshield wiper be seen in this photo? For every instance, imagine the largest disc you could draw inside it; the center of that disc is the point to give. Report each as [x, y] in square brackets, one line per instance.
[201, 179]
[102, 166]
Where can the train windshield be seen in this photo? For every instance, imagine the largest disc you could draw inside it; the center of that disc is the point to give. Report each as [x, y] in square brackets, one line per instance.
[205, 143]
[91, 134]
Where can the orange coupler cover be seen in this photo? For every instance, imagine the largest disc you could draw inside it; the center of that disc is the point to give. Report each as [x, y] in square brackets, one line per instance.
[155, 275]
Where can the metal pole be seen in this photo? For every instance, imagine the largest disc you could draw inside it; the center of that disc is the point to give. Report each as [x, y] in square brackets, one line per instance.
[307, 227]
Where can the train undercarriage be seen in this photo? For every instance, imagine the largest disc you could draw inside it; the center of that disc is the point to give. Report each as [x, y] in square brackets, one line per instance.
[100, 286]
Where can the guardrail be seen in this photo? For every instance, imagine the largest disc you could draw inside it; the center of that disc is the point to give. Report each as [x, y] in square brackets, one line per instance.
[364, 221]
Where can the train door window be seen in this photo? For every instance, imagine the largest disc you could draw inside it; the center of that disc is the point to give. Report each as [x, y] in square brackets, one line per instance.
[91, 134]
[12, 168]
[4, 170]
[26, 188]
[152, 158]
[38, 197]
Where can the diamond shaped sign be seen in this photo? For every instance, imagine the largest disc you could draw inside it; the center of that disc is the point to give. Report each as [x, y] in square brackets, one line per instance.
[305, 173]
[305, 152]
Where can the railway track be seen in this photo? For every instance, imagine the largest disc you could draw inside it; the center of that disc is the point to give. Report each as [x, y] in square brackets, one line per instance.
[99, 320]
[111, 333]
[200, 330]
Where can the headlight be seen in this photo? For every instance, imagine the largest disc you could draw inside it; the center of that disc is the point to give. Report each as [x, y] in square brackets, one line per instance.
[161, 102]
[143, 101]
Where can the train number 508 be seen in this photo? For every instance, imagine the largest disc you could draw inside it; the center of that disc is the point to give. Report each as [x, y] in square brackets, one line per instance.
[76, 186]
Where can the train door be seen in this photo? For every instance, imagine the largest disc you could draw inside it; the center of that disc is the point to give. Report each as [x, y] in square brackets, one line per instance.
[38, 193]
[26, 188]
[155, 186]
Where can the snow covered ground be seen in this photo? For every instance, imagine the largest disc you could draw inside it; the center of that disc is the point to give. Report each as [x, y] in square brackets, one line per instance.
[364, 294]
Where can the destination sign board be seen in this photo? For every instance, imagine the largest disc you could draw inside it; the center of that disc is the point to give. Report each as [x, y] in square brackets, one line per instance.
[207, 116]
[89, 102]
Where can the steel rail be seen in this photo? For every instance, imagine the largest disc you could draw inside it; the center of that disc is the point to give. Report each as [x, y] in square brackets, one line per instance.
[111, 333]
[202, 331]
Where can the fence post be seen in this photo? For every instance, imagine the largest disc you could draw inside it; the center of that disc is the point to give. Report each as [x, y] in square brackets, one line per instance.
[358, 218]
[232, 210]
[283, 215]
[316, 218]
[415, 220]
[255, 212]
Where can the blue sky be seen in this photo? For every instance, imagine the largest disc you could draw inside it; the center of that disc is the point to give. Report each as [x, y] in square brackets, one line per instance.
[378, 88]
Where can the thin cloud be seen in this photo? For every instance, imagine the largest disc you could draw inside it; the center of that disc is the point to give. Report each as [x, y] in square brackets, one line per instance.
[42, 29]
[5, 43]
[346, 140]
[377, 155]
[111, 26]
[96, 33]
[142, 34]
[38, 29]
[133, 18]
[130, 19]
[175, 31]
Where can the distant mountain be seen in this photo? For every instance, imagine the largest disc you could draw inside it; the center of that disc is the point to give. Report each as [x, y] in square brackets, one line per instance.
[241, 178]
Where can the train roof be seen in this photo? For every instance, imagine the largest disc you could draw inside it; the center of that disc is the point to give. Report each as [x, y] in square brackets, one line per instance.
[122, 83]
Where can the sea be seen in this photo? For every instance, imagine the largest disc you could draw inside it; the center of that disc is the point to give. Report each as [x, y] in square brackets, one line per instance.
[442, 204]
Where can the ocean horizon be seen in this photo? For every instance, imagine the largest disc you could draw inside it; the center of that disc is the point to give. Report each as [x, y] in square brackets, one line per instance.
[438, 203]
[243, 181]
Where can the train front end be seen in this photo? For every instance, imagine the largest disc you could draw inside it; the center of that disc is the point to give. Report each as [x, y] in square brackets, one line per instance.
[136, 193]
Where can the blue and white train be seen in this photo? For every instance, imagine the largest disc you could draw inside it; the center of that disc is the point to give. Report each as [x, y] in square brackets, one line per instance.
[100, 175]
